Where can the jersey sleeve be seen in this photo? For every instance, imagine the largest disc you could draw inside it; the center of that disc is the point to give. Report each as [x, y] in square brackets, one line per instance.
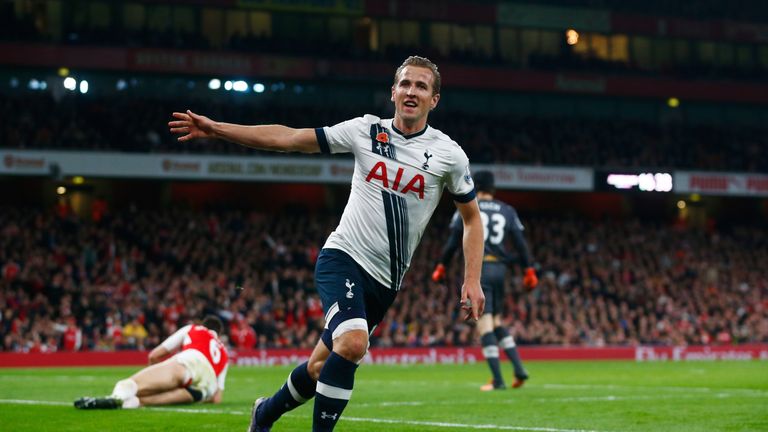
[222, 377]
[342, 137]
[176, 340]
[511, 215]
[515, 228]
[459, 180]
[457, 224]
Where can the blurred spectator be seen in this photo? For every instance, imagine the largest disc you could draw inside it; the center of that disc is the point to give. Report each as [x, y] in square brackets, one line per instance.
[30, 25]
[602, 283]
[96, 124]
[134, 335]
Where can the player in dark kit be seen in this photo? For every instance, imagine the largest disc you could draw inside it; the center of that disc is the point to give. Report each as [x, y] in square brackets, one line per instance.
[499, 219]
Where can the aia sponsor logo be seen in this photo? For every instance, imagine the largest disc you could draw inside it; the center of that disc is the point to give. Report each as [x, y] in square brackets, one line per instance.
[379, 173]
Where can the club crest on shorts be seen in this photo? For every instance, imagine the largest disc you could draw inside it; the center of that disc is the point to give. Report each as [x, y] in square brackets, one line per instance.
[349, 284]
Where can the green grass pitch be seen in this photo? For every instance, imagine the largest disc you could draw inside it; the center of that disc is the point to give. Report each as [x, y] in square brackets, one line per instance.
[560, 397]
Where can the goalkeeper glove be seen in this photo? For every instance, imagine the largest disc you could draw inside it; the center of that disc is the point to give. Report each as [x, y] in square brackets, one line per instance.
[530, 280]
[439, 273]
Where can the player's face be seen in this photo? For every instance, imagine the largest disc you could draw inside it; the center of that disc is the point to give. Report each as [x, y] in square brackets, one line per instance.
[412, 94]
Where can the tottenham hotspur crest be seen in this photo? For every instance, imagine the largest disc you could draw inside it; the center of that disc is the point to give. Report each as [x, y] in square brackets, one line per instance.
[349, 285]
[425, 165]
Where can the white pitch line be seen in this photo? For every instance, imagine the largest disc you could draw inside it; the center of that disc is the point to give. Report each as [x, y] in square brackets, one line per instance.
[653, 389]
[197, 411]
[33, 402]
[556, 386]
[606, 398]
[463, 426]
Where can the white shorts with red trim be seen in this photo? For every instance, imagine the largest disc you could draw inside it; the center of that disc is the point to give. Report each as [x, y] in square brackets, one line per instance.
[200, 374]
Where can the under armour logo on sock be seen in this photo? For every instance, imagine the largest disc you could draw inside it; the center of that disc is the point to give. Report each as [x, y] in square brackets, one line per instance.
[349, 287]
[333, 416]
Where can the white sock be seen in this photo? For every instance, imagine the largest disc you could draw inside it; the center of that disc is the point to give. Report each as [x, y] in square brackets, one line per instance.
[131, 403]
[125, 389]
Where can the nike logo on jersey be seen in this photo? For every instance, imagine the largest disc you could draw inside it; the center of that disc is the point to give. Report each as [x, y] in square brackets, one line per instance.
[379, 172]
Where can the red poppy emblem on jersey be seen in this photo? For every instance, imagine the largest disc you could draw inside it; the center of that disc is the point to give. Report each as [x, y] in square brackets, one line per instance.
[382, 137]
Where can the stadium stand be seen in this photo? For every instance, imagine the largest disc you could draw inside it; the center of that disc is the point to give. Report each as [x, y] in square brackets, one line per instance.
[39, 122]
[133, 278]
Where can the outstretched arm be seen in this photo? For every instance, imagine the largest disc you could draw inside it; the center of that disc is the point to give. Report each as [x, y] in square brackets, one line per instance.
[472, 298]
[264, 137]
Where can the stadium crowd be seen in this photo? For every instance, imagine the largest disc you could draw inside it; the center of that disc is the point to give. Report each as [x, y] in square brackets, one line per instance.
[30, 27]
[132, 277]
[40, 122]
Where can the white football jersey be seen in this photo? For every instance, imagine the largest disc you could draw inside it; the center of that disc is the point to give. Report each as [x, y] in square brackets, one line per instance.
[397, 183]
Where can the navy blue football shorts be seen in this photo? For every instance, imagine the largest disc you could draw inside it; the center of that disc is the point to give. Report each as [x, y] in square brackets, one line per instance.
[352, 299]
[492, 281]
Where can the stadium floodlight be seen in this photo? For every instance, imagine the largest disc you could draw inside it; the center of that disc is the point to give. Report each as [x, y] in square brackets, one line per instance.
[214, 84]
[259, 88]
[34, 84]
[681, 204]
[228, 85]
[43, 85]
[673, 102]
[121, 85]
[240, 86]
[70, 83]
[83, 86]
[61, 190]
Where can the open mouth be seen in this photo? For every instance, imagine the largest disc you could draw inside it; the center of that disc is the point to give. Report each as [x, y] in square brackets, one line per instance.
[410, 104]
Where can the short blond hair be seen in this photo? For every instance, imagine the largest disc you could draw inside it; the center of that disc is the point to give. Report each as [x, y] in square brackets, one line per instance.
[425, 63]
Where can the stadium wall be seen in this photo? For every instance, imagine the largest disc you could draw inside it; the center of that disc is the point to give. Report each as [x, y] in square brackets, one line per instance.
[404, 356]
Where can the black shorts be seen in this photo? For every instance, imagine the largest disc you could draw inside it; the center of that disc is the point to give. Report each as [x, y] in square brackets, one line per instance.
[352, 299]
[492, 281]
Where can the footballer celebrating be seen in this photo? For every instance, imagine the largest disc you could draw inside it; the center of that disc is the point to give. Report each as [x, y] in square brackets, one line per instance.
[402, 166]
